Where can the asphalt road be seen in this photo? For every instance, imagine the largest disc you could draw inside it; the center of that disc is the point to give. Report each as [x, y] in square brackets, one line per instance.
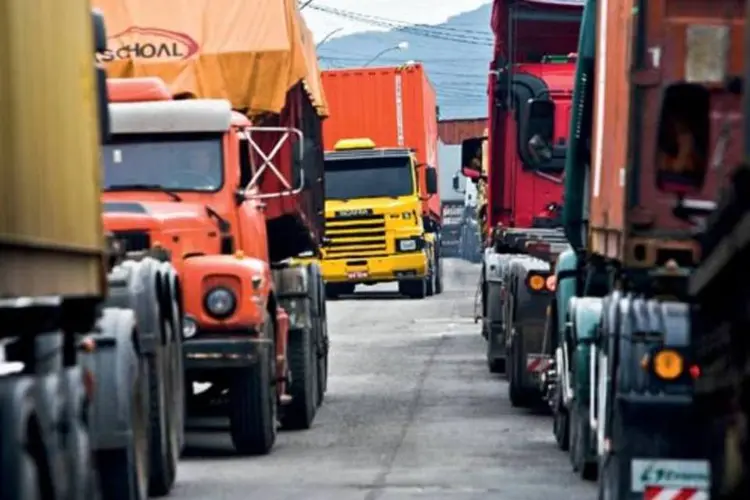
[411, 413]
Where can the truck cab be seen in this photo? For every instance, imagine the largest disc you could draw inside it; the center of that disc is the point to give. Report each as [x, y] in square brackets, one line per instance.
[179, 176]
[375, 230]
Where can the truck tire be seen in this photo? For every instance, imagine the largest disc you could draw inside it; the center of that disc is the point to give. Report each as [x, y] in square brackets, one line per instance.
[439, 275]
[519, 398]
[300, 413]
[124, 473]
[253, 402]
[173, 330]
[431, 274]
[322, 349]
[84, 471]
[30, 481]
[163, 469]
[586, 470]
[494, 365]
[560, 419]
[414, 289]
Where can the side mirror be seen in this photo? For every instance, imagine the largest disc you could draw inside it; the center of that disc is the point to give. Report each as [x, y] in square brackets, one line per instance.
[457, 183]
[682, 154]
[536, 131]
[472, 157]
[431, 180]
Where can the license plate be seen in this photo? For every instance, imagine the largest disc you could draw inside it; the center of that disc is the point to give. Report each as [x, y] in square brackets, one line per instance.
[670, 474]
[357, 274]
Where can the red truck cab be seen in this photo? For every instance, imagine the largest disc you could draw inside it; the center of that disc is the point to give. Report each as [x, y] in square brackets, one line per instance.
[530, 90]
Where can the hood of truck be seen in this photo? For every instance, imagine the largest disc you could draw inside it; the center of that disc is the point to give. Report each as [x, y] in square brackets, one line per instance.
[179, 226]
[362, 207]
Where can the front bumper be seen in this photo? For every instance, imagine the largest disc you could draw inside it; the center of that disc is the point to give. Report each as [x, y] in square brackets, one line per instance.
[376, 269]
[221, 351]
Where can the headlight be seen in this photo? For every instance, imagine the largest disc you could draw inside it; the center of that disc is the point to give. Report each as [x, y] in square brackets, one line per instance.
[220, 302]
[189, 327]
[409, 244]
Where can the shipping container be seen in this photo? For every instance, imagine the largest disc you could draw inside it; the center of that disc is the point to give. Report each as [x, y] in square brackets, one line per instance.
[675, 40]
[455, 131]
[394, 106]
[51, 241]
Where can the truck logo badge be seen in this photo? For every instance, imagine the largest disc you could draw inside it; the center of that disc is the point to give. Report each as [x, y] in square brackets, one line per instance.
[355, 212]
[139, 42]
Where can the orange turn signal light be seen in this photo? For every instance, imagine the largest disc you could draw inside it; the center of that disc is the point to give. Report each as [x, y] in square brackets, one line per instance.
[668, 364]
[536, 282]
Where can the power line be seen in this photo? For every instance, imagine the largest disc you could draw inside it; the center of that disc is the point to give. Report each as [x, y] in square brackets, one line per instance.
[432, 32]
[431, 27]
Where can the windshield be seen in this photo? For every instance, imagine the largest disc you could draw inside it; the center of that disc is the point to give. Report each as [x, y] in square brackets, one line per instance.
[368, 177]
[176, 162]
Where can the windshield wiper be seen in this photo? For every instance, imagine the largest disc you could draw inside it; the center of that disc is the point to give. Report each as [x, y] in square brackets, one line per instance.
[145, 187]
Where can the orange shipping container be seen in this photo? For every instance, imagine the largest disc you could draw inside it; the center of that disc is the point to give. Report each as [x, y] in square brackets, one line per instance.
[393, 106]
[682, 40]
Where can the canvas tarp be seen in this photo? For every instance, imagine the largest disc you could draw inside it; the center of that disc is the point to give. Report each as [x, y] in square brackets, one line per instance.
[248, 51]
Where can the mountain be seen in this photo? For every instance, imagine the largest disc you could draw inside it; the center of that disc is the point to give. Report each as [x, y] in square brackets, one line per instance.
[456, 55]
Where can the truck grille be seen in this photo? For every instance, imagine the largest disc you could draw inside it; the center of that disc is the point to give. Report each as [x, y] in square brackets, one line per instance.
[134, 241]
[362, 236]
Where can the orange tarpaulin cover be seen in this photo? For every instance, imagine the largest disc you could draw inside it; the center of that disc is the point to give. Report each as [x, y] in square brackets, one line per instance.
[248, 51]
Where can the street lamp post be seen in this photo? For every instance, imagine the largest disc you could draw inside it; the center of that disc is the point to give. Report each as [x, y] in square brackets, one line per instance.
[401, 46]
[327, 37]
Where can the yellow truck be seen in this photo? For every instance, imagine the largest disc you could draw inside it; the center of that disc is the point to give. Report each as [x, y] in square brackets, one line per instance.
[375, 230]
[382, 208]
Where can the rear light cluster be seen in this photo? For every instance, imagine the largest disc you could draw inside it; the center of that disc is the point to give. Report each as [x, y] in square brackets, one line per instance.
[538, 282]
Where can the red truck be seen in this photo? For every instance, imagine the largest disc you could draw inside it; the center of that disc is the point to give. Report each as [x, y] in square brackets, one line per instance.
[531, 87]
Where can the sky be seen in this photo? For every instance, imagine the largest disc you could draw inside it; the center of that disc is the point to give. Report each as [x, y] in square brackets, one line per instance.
[412, 11]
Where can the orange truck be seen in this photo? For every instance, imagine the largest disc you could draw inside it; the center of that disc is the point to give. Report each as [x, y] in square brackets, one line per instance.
[382, 207]
[216, 161]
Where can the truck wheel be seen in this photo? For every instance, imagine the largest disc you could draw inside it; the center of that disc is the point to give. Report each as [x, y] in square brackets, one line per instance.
[608, 478]
[430, 280]
[29, 481]
[124, 473]
[579, 428]
[163, 461]
[300, 413]
[560, 419]
[252, 401]
[516, 394]
[176, 390]
[439, 276]
[323, 344]
[414, 289]
[494, 365]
